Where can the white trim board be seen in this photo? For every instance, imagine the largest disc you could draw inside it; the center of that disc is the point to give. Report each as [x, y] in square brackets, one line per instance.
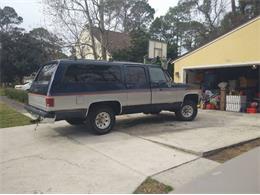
[209, 66]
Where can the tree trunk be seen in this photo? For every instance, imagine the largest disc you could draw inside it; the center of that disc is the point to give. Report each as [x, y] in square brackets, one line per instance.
[233, 5]
[90, 28]
[102, 30]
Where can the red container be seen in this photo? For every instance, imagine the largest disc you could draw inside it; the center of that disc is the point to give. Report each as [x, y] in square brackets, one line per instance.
[251, 110]
[210, 107]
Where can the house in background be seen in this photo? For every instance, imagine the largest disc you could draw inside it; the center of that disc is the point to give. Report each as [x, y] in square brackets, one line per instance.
[230, 56]
[233, 61]
[114, 41]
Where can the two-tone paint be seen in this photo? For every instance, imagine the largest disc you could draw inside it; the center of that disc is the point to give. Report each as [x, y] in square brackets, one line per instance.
[76, 102]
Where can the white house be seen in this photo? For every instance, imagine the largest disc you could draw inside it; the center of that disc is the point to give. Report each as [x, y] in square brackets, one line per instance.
[114, 41]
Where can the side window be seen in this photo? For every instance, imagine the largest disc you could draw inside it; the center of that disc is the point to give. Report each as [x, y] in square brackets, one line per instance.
[135, 77]
[157, 75]
[92, 74]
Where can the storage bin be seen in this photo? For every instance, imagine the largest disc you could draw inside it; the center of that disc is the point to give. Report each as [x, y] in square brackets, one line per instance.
[235, 103]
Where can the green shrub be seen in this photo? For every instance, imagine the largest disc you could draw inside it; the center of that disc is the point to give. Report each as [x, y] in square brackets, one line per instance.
[18, 95]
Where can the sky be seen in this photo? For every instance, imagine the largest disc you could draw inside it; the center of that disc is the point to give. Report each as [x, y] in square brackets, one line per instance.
[33, 15]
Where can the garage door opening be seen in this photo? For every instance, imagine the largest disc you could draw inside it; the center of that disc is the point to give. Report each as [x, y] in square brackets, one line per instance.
[242, 82]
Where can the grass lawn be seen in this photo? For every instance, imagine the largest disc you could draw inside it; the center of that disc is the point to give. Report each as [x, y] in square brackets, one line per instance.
[2, 91]
[232, 152]
[11, 118]
[152, 186]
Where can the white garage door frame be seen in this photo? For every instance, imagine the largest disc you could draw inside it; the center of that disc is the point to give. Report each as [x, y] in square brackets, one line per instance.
[184, 70]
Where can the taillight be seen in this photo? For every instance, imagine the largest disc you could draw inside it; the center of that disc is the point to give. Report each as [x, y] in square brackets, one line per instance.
[49, 101]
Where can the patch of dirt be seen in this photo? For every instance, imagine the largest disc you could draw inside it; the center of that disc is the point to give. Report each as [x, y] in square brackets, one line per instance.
[229, 153]
[152, 186]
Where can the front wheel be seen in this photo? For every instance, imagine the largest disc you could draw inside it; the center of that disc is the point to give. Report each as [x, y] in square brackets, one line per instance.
[102, 120]
[187, 112]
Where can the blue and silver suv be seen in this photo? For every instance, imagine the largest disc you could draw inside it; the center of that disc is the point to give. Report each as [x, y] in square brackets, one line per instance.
[96, 91]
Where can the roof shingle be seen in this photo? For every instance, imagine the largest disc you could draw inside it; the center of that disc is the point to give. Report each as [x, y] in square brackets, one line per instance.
[115, 40]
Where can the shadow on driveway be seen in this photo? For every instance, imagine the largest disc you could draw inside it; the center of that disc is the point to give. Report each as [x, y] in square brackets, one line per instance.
[141, 124]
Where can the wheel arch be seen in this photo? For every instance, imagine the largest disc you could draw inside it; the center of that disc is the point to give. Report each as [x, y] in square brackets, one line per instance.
[114, 104]
[192, 97]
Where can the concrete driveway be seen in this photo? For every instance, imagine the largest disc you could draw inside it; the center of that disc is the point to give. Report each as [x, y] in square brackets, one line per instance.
[211, 130]
[59, 158]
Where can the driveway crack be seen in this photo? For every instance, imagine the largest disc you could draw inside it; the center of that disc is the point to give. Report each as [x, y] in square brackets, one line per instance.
[43, 158]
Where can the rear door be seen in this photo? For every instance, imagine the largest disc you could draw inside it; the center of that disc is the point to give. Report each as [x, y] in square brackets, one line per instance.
[40, 86]
[84, 84]
[138, 89]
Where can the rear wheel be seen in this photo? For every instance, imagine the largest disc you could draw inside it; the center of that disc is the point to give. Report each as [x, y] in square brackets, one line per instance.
[187, 112]
[76, 121]
[102, 119]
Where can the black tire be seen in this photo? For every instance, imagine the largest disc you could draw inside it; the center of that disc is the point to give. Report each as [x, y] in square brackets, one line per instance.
[107, 119]
[75, 121]
[187, 112]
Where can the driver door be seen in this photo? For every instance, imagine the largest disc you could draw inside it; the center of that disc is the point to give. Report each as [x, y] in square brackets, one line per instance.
[162, 91]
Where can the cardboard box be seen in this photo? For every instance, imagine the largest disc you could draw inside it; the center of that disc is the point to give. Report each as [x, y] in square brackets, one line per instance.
[245, 82]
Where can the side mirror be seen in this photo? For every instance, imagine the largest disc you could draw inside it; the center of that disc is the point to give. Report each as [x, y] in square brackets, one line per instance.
[161, 83]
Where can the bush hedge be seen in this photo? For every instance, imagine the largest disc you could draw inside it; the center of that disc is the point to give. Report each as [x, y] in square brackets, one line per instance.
[18, 95]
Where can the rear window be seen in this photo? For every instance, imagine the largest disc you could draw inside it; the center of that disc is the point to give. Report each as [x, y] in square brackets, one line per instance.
[42, 81]
[92, 74]
[45, 75]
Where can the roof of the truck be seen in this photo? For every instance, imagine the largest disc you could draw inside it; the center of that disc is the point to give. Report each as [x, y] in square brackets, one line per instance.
[96, 62]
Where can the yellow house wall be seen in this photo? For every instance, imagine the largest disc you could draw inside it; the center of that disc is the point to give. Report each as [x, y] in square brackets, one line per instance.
[239, 47]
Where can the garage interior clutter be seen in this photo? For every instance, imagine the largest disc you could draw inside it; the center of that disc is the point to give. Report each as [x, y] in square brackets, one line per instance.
[235, 89]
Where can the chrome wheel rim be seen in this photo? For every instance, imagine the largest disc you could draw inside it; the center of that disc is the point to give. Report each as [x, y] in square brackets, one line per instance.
[187, 111]
[103, 120]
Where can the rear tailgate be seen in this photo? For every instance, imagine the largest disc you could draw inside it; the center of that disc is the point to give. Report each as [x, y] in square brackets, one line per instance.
[40, 86]
[37, 100]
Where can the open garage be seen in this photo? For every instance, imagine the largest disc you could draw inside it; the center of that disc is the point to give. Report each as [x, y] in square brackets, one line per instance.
[231, 63]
